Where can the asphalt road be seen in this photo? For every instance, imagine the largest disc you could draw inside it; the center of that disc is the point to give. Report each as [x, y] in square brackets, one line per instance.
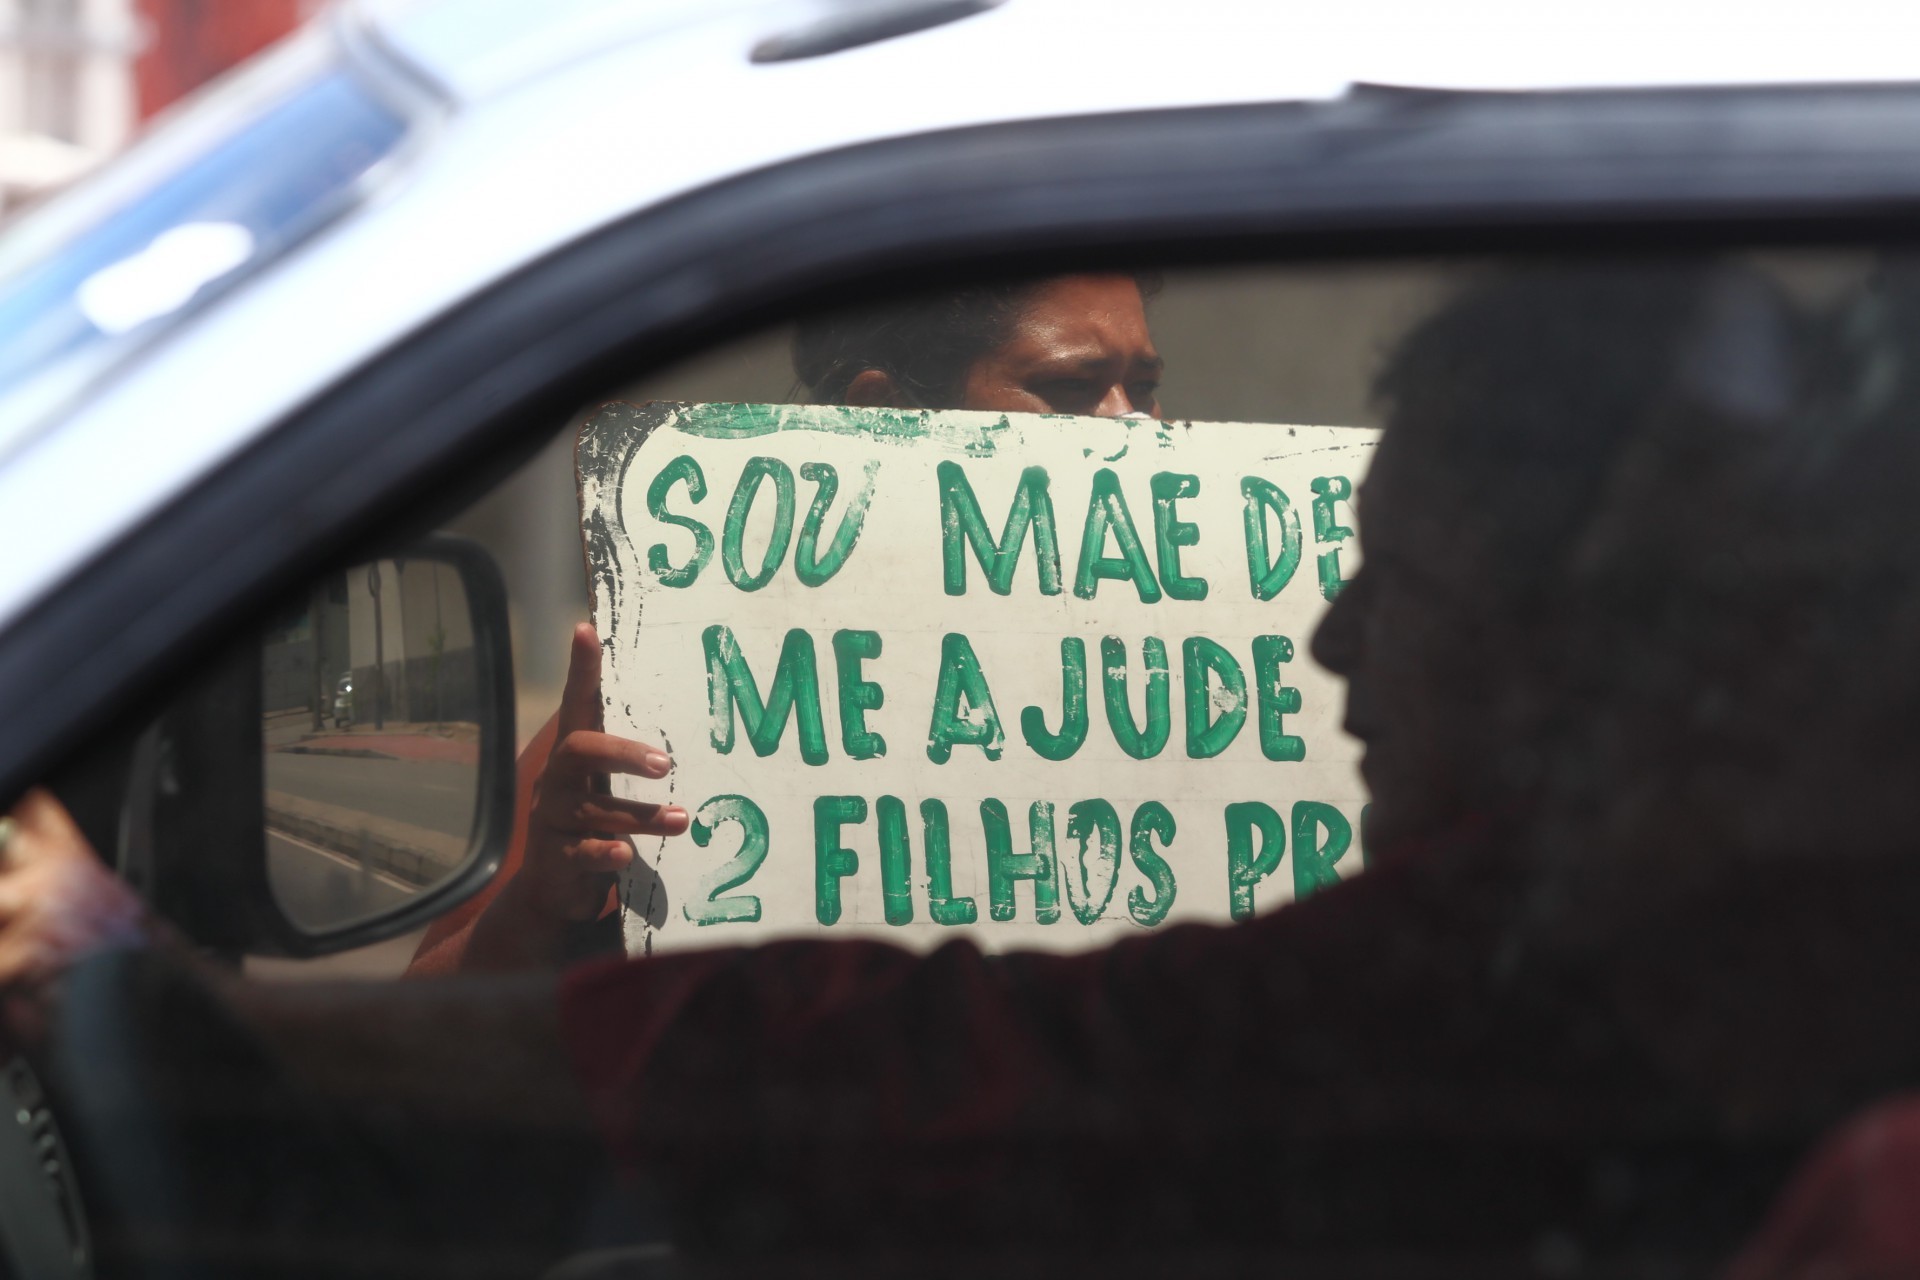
[435, 794]
[318, 889]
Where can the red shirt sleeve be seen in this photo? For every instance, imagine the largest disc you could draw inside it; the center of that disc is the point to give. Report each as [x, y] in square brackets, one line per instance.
[854, 1093]
[1853, 1211]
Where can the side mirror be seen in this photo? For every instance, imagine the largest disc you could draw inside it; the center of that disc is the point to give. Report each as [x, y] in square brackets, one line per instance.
[384, 700]
[346, 776]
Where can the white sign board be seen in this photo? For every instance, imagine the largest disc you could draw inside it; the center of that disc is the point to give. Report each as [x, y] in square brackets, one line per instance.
[1038, 681]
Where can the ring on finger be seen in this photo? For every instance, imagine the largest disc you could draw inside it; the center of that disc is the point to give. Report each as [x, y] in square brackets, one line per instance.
[9, 832]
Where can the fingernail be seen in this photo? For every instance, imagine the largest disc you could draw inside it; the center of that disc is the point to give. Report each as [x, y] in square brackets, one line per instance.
[659, 762]
[673, 813]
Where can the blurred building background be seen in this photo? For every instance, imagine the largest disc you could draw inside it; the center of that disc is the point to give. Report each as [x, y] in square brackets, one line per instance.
[79, 77]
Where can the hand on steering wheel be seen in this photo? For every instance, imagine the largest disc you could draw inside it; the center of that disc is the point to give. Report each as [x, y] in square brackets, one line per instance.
[58, 903]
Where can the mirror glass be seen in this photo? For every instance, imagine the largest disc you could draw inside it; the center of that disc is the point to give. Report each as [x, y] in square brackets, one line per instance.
[370, 730]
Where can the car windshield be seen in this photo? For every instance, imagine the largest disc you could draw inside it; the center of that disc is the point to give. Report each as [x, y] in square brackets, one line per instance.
[208, 203]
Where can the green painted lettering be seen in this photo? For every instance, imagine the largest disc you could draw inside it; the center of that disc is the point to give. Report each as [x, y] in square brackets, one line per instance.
[708, 907]
[961, 521]
[1073, 707]
[896, 894]
[795, 692]
[1201, 660]
[1314, 858]
[813, 571]
[1277, 700]
[1266, 571]
[1327, 490]
[1141, 744]
[941, 904]
[832, 862]
[732, 552]
[1171, 533]
[1248, 865]
[857, 695]
[1151, 819]
[960, 680]
[681, 469]
[1005, 868]
[1107, 512]
[1090, 881]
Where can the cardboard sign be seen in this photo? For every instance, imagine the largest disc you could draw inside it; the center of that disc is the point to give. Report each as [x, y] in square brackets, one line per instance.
[1037, 681]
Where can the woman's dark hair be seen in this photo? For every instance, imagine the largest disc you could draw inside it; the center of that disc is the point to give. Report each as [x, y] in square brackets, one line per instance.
[1533, 386]
[926, 344]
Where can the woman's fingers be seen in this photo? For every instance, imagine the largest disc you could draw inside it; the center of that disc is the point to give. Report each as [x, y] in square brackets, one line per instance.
[581, 812]
[58, 902]
[593, 864]
[588, 752]
[628, 817]
[580, 700]
[44, 829]
[594, 855]
[39, 834]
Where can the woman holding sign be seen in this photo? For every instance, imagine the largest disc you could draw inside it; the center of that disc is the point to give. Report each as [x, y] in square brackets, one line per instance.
[1070, 344]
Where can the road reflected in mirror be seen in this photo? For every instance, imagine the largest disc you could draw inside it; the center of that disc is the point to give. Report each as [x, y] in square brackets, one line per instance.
[371, 736]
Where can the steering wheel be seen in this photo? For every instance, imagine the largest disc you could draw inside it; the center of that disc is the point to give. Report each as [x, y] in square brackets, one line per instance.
[137, 1053]
[202, 1156]
[43, 1229]
[199, 1157]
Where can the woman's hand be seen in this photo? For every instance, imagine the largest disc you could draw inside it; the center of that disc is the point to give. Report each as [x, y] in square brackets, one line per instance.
[577, 833]
[569, 839]
[58, 903]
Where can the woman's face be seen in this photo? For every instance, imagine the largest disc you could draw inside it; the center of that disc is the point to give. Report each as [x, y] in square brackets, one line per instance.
[1424, 641]
[1080, 346]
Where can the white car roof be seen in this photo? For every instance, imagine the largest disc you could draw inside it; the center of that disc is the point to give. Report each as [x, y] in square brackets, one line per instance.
[480, 47]
[566, 115]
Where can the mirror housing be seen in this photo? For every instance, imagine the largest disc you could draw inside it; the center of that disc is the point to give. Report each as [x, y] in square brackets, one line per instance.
[197, 833]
